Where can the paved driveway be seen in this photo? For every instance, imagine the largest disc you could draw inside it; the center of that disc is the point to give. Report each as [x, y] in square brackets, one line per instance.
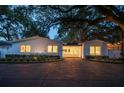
[71, 72]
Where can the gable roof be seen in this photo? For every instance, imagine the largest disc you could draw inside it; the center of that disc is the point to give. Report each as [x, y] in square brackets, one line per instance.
[25, 39]
[72, 44]
[30, 38]
[96, 40]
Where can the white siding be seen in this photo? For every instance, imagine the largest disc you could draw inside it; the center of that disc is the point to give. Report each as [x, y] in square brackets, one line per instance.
[103, 45]
[38, 45]
[3, 51]
[114, 53]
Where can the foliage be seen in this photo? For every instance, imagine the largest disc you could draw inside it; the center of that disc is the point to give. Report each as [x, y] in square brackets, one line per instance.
[104, 59]
[76, 23]
[29, 58]
[97, 57]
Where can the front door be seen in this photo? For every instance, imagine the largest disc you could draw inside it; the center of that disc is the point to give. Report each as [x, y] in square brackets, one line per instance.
[71, 51]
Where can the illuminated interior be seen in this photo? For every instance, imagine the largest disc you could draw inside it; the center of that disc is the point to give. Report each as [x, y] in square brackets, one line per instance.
[71, 51]
[92, 50]
[25, 48]
[22, 48]
[95, 50]
[55, 49]
[28, 48]
[98, 50]
[52, 49]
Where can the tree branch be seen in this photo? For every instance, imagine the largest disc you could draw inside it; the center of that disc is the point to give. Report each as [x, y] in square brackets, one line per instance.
[65, 11]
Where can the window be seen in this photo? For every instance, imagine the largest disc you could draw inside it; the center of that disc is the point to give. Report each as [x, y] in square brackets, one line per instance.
[65, 50]
[95, 50]
[98, 50]
[22, 48]
[55, 49]
[49, 48]
[28, 48]
[92, 50]
[25, 48]
[52, 49]
[68, 50]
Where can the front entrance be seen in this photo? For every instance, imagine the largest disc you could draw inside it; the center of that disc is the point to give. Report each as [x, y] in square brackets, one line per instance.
[71, 51]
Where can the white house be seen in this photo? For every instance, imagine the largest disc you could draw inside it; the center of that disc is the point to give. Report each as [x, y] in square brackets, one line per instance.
[93, 48]
[33, 45]
[45, 46]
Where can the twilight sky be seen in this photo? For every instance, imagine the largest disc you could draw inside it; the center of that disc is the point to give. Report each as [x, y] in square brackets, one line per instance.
[52, 32]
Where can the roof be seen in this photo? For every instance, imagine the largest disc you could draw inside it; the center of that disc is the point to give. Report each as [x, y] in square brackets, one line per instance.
[72, 44]
[25, 39]
[96, 40]
[4, 43]
[30, 38]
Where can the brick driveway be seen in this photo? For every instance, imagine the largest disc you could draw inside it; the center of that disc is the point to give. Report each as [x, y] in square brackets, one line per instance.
[70, 72]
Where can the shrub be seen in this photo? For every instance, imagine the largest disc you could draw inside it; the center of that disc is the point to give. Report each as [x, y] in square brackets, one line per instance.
[31, 57]
[2, 59]
[97, 57]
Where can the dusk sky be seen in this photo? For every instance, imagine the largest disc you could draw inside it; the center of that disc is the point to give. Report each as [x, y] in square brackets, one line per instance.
[52, 33]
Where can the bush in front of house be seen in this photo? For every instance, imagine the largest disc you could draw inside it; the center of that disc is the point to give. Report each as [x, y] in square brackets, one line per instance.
[29, 56]
[105, 59]
[12, 58]
[97, 57]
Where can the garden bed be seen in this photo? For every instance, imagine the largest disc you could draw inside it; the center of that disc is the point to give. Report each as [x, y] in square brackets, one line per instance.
[112, 61]
[29, 59]
[105, 59]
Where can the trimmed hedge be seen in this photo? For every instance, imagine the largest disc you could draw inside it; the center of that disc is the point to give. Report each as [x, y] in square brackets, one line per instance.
[97, 57]
[29, 58]
[105, 59]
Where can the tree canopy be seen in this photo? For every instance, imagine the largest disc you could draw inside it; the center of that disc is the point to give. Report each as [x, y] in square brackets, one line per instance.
[75, 23]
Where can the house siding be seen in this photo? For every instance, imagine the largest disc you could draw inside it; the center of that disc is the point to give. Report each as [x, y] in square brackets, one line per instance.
[103, 45]
[3, 51]
[38, 45]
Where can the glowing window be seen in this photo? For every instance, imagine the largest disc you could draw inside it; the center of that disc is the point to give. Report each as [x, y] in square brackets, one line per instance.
[22, 48]
[55, 49]
[49, 49]
[92, 50]
[52, 49]
[95, 50]
[65, 50]
[28, 48]
[25, 48]
[98, 50]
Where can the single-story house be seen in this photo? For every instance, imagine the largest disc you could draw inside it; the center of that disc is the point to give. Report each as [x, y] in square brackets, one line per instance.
[45, 46]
